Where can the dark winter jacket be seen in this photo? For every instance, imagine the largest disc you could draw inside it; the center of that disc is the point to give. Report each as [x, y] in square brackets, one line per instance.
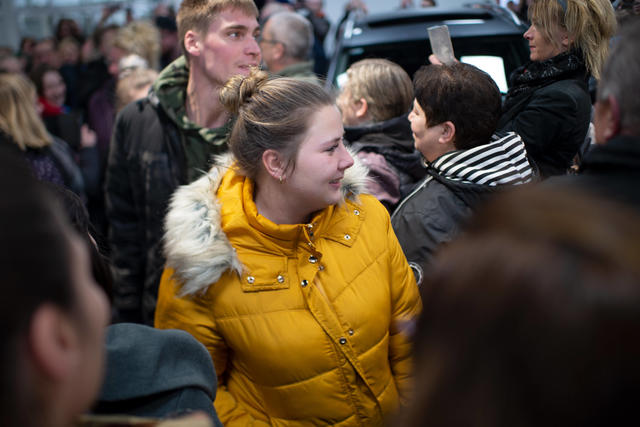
[387, 148]
[100, 117]
[552, 116]
[57, 163]
[148, 159]
[456, 183]
[611, 170]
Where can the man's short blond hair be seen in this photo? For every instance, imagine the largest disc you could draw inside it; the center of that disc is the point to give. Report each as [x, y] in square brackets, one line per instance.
[383, 84]
[196, 15]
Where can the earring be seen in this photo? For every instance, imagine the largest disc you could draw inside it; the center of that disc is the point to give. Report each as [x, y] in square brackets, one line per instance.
[281, 179]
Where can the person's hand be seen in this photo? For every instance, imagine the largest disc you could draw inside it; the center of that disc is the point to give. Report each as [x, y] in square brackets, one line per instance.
[434, 59]
[356, 5]
[405, 4]
[88, 137]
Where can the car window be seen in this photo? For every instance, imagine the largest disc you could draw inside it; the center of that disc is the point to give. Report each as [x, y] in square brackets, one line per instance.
[509, 52]
[492, 65]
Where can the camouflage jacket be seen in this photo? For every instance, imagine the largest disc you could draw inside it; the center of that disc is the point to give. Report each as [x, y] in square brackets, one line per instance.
[301, 71]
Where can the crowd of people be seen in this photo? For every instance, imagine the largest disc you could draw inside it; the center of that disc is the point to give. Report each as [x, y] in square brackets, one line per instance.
[197, 232]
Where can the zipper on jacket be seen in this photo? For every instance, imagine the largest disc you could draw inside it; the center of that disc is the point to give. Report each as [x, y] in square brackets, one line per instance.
[418, 188]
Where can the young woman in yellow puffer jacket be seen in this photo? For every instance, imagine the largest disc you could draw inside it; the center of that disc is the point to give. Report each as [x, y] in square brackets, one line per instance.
[292, 279]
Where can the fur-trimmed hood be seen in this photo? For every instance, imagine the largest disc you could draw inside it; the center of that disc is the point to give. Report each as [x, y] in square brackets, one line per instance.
[196, 247]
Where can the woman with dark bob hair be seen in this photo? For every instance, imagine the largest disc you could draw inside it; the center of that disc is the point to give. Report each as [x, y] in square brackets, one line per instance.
[290, 276]
[548, 102]
[532, 318]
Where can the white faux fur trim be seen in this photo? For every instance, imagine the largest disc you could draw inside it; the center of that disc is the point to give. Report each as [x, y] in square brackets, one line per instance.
[195, 245]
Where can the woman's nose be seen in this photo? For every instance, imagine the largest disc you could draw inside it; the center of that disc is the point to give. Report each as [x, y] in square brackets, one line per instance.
[347, 160]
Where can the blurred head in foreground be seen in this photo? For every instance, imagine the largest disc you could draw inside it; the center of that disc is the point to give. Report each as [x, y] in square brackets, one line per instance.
[52, 313]
[532, 317]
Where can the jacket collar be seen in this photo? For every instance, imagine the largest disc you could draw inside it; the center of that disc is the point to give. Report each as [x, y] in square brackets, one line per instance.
[503, 161]
[620, 155]
[196, 244]
[397, 129]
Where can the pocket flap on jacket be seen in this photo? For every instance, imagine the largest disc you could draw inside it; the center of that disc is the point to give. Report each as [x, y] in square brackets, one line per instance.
[265, 273]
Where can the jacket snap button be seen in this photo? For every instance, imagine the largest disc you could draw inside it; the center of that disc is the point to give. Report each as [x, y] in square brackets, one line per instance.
[280, 279]
[347, 237]
[321, 268]
[356, 212]
[304, 283]
[251, 279]
[342, 341]
[351, 332]
[313, 259]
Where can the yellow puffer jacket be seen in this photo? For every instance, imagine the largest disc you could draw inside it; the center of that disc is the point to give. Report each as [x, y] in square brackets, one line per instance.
[306, 324]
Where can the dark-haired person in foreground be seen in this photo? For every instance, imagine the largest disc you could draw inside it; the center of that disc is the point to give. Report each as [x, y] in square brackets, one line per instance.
[53, 318]
[532, 317]
[454, 117]
[52, 313]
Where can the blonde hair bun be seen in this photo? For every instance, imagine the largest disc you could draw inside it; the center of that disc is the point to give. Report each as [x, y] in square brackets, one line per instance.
[240, 89]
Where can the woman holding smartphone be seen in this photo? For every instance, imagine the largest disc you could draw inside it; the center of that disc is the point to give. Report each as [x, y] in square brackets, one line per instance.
[548, 102]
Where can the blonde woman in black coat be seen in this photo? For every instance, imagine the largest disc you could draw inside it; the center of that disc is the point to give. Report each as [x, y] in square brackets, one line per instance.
[548, 102]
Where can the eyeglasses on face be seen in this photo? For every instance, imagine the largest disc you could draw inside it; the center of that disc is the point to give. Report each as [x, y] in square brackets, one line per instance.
[261, 39]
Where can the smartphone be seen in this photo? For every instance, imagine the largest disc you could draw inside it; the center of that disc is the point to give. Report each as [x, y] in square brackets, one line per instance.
[441, 46]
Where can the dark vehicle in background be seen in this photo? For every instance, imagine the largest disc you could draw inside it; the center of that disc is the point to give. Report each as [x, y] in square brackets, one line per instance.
[482, 34]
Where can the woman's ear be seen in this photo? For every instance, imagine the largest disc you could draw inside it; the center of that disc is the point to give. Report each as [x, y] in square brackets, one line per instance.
[448, 134]
[274, 164]
[566, 39]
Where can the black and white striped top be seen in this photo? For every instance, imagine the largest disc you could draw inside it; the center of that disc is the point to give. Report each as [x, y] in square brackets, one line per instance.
[503, 161]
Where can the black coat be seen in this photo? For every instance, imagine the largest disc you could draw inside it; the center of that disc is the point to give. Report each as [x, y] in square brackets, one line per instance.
[553, 122]
[146, 164]
[611, 170]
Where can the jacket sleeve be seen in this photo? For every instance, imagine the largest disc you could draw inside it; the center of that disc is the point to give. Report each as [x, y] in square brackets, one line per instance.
[406, 305]
[126, 228]
[193, 314]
